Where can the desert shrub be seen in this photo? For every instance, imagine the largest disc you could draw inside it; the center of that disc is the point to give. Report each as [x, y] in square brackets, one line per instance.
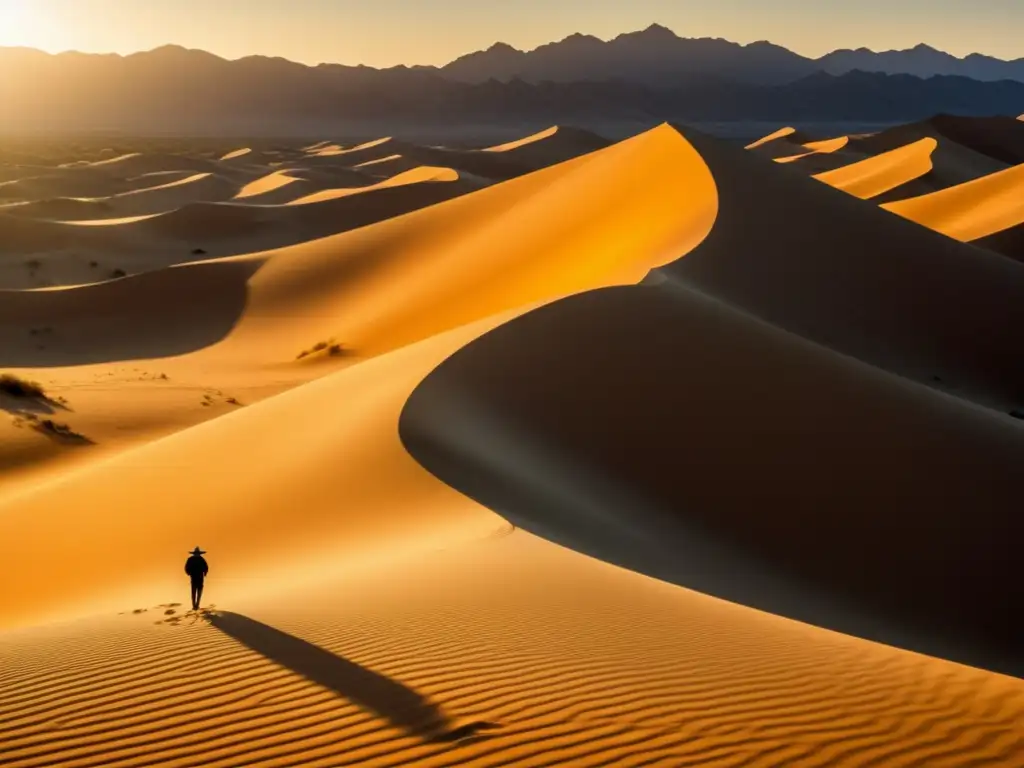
[198, 252]
[59, 430]
[15, 386]
[119, 273]
[330, 346]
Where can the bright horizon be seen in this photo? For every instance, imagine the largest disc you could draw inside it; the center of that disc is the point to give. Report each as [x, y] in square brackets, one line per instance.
[391, 32]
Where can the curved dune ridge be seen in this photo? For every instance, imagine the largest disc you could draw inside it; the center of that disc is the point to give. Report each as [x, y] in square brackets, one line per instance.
[558, 365]
[422, 175]
[952, 163]
[879, 174]
[811, 148]
[972, 211]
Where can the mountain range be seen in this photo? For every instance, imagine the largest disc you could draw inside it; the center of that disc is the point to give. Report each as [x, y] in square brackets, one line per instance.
[657, 55]
[636, 79]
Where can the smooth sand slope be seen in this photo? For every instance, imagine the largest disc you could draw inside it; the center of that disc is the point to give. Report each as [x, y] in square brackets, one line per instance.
[877, 175]
[989, 207]
[369, 610]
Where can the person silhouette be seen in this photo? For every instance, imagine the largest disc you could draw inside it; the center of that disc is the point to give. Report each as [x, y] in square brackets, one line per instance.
[196, 568]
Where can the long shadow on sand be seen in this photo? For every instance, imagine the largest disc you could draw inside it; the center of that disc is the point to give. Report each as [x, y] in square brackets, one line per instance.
[389, 699]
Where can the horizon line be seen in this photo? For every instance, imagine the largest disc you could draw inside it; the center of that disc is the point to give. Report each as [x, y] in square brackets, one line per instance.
[497, 43]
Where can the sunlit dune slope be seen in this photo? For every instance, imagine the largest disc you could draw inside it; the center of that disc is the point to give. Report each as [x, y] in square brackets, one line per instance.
[790, 134]
[851, 277]
[422, 175]
[553, 145]
[877, 175]
[260, 189]
[236, 154]
[971, 211]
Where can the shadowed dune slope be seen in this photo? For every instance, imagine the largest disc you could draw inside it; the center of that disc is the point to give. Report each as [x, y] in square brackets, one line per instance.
[971, 211]
[158, 314]
[822, 264]
[761, 468]
[1001, 138]
[877, 175]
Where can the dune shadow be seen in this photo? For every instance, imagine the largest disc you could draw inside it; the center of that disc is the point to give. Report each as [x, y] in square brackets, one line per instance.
[155, 314]
[385, 697]
[38, 406]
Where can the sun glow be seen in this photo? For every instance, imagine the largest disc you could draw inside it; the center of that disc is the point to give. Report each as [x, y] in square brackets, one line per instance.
[21, 23]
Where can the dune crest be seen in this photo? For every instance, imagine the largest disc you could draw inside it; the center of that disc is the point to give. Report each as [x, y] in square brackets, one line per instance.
[879, 174]
[970, 211]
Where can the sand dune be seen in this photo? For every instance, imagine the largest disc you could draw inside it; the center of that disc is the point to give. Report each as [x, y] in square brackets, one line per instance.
[811, 148]
[135, 164]
[789, 133]
[69, 253]
[952, 163]
[413, 295]
[971, 211]
[552, 145]
[146, 201]
[236, 154]
[422, 175]
[1001, 138]
[882, 173]
[666, 353]
[266, 185]
[819, 279]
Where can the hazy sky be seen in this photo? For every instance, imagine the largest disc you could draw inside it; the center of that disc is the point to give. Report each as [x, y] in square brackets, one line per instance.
[386, 32]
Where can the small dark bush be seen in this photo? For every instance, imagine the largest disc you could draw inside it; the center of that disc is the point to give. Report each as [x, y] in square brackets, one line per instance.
[119, 273]
[198, 252]
[331, 347]
[94, 264]
[59, 431]
[18, 387]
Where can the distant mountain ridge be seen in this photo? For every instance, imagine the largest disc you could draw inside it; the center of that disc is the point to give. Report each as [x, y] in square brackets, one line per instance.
[923, 61]
[655, 56]
[658, 55]
[177, 89]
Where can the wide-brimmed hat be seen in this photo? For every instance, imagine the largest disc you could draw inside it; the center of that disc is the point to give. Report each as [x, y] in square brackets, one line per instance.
[198, 551]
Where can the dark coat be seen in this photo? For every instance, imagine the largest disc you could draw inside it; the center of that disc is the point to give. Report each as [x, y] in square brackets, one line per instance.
[196, 567]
